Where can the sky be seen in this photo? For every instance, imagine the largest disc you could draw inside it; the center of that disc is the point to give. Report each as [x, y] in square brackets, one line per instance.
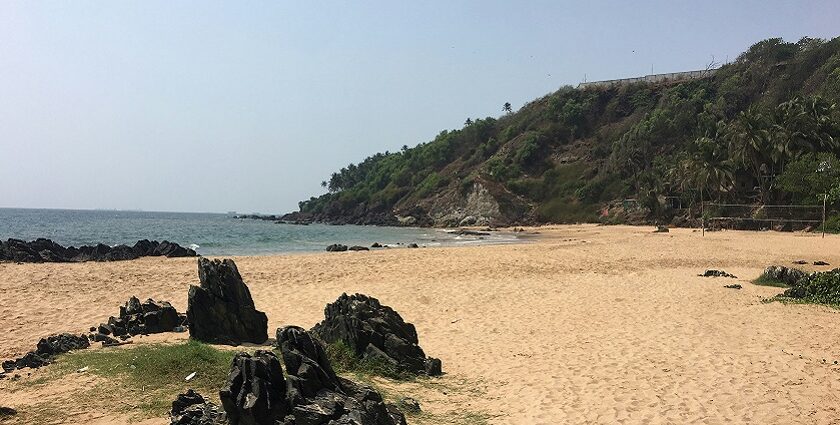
[247, 106]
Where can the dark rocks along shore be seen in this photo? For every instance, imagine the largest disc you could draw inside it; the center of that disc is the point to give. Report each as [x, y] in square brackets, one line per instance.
[46, 251]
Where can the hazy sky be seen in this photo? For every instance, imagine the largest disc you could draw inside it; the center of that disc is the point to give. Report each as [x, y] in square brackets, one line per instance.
[248, 106]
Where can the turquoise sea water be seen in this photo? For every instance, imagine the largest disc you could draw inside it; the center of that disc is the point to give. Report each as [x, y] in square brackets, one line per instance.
[215, 234]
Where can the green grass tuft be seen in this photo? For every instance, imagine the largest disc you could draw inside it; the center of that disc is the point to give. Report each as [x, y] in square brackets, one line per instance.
[154, 374]
[344, 360]
[769, 281]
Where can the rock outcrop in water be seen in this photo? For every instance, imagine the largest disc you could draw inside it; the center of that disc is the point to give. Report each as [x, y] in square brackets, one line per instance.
[376, 332]
[46, 251]
[221, 309]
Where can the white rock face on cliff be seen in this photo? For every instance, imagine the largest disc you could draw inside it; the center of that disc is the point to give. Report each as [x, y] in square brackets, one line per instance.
[478, 208]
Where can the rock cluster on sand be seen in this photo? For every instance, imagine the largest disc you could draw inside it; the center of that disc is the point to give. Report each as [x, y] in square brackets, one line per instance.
[136, 318]
[47, 348]
[717, 273]
[376, 332]
[44, 250]
[787, 275]
[257, 392]
[221, 309]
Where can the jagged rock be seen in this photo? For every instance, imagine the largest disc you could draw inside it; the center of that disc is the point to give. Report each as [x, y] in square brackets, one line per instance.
[717, 273]
[337, 247]
[138, 318]
[788, 275]
[317, 396]
[221, 309]
[46, 349]
[190, 408]
[57, 344]
[306, 363]
[45, 250]
[413, 245]
[374, 331]
[376, 245]
[359, 248]
[104, 339]
[255, 391]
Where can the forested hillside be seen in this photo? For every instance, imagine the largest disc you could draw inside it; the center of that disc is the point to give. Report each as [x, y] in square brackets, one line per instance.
[763, 129]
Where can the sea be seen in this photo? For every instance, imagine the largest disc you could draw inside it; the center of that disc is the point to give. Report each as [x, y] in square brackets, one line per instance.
[215, 234]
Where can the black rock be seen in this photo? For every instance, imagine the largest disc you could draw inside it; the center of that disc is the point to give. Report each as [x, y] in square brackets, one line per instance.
[190, 408]
[717, 273]
[255, 392]
[733, 286]
[144, 318]
[374, 331]
[45, 250]
[337, 247]
[409, 405]
[821, 263]
[413, 245]
[317, 396]
[221, 310]
[6, 412]
[306, 363]
[98, 337]
[57, 344]
[359, 248]
[376, 245]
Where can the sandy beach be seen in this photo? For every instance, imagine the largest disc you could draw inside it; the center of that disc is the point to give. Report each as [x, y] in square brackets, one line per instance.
[585, 324]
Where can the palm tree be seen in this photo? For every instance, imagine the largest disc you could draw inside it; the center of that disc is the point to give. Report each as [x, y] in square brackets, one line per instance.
[507, 108]
[706, 168]
[749, 145]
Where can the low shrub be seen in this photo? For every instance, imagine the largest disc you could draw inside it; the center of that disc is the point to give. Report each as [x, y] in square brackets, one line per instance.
[822, 288]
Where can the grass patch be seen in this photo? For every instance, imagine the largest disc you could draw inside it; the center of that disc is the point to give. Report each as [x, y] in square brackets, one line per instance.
[769, 281]
[154, 374]
[344, 360]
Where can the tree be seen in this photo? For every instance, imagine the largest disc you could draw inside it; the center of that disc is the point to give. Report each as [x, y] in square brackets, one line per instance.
[705, 168]
[468, 122]
[749, 146]
[507, 108]
[811, 177]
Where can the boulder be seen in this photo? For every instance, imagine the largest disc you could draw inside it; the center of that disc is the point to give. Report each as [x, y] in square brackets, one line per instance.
[787, 275]
[145, 318]
[413, 245]
[337, 247]
[221, 309]
[374, 331]
[190, 408]
[376, 245]
[255, 392]
[359, 248]
[317, 396]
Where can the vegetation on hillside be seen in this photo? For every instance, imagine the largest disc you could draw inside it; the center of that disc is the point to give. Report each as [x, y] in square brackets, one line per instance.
[763, 129]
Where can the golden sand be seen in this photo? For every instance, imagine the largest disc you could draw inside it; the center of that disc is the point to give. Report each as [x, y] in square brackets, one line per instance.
[587, 324]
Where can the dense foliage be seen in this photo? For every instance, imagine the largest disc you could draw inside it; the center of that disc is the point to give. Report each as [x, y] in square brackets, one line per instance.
[763, 129]
[823, 288]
